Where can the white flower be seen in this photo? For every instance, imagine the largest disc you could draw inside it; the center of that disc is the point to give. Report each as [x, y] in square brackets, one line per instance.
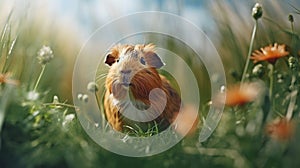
[32, 95]
[68, 119]
[45, 55]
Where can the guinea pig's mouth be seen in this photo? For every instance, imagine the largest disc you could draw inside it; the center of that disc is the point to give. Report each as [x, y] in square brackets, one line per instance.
[126, 84]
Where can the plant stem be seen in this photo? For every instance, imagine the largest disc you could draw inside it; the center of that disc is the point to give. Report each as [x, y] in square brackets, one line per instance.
[39, 79]
[292, 36]
[292, 27]
[101, 110]
[293, 97]
[60, 104]
[271, 77]
[249, 52]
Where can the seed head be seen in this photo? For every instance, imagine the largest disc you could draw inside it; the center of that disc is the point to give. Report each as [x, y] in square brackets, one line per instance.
[92, 87]
[45, 55]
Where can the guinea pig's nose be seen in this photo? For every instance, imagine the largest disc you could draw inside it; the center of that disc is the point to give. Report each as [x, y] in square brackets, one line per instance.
[126, 71]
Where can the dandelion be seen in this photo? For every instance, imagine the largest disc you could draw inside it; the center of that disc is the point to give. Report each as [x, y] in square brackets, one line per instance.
[269, 53]
[5, 78]
[280, 129]
[92, 87]
[242, 94]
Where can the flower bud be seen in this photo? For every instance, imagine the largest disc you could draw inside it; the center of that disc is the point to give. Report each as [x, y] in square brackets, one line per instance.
[258, 70]
[257, 11]
[291, 18]
[55, 99]
[292, 62]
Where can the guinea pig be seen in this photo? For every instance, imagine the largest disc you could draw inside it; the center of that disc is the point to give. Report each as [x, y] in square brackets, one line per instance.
[131, 78]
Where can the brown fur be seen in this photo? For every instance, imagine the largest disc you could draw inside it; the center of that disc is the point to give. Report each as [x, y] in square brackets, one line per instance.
[144, 79]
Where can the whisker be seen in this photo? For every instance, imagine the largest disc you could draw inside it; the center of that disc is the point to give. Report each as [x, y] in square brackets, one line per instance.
[100, 77]
[97, 79]
[102, 74]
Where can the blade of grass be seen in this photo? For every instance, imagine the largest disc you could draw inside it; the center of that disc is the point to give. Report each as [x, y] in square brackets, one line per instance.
[10, 44]
[293, 97]
[297, 10]
[281, 28]
[2, 40]
[9, 54]
[4, 33]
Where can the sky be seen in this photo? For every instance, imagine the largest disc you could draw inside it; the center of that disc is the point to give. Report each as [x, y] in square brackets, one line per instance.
[104, 11]
[90, 14]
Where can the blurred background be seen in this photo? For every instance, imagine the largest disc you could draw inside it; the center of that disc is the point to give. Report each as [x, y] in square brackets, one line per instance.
[66, 25]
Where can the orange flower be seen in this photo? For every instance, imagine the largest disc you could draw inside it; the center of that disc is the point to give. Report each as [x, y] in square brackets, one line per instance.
[242, 94]
[187, 120]
[4, 78]
[280, 129]
[269, 53]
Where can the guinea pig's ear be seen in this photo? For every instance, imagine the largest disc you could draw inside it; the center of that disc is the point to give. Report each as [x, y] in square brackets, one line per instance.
[152, 59]
[113, 55]
[110, 59]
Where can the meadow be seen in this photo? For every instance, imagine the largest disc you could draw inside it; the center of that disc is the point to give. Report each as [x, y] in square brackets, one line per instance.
[259, 127]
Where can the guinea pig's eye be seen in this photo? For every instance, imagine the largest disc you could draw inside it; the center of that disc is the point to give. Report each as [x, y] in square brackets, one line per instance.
[142, 60]
[117, 60]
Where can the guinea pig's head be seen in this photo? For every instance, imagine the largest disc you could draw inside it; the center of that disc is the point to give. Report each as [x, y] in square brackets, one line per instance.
[133, 68]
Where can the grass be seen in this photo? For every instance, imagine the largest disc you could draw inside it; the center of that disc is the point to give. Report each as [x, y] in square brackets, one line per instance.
[39, 126]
